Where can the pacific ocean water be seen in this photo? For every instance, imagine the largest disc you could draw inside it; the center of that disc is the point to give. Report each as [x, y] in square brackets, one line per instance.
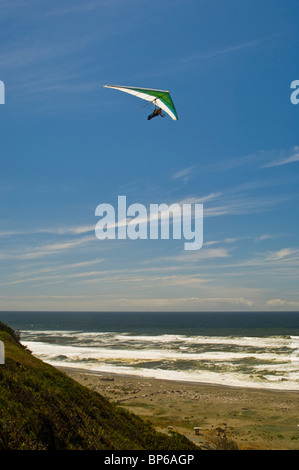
[247, 349]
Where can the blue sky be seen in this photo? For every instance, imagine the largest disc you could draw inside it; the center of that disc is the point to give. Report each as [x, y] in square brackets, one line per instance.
[68, 144]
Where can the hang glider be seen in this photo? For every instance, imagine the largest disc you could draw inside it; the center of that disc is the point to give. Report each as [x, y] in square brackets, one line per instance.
[161, 99]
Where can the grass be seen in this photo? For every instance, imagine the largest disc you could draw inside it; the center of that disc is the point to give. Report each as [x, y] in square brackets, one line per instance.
[42, 408]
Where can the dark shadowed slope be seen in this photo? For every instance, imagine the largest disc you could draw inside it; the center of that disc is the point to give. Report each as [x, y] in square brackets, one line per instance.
[42, 408]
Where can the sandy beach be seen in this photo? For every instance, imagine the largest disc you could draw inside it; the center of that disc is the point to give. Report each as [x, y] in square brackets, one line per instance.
[252, 418]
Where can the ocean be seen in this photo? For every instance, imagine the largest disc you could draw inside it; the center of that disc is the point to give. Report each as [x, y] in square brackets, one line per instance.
[247, 349]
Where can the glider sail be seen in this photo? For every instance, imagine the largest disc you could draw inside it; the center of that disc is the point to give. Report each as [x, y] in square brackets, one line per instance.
[160, 98]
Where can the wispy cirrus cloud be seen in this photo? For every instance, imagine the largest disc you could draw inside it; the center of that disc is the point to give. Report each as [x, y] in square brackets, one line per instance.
[183, 174]
[238, 200]
[257, 160]
[71, 230]
[230, 49]
[75, 7]
[194, 257]
[291, 158]
[16, 7]
[265, 236]
[284, 253]
[217, 52]
[177, 63]
[283, 258]
[47, 249]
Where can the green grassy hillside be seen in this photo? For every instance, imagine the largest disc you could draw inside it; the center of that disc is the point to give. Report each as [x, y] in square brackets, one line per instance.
[42, 408]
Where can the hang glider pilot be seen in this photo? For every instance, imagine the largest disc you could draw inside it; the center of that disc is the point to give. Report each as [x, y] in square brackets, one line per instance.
[155, 113]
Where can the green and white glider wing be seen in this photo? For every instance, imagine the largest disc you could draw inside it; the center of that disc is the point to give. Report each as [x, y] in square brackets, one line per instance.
[160, 98]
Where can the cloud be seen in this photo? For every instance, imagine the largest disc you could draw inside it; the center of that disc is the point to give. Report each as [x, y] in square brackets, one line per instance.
[41, 53]
[187, 302]
[225, 240]
[259, 159]
[281, 302]
[47, 249]
[183, 174]
[243, 204]
[292, 158]
[194, 257]
[182, 61]
[261, 238]
[200, 199]
[80, 7]
[15, 6]
[281, 254]
[230, 49]
[122, 303]
[73, 230]
[208, 253]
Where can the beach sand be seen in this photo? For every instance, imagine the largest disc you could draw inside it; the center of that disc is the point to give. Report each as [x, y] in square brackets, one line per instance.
[252, 418]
